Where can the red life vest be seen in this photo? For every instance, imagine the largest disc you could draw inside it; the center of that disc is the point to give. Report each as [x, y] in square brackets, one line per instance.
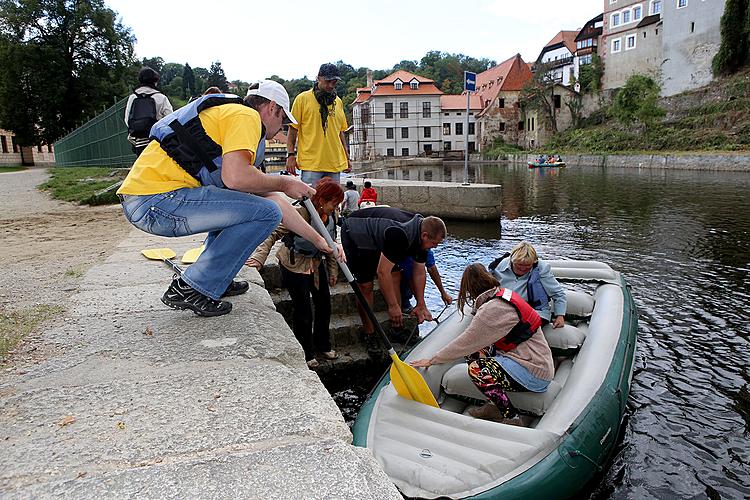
[528, 320]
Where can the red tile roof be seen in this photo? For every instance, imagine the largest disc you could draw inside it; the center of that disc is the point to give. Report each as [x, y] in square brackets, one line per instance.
[404, 76]
[568, 38]
[363, 94]
[508, 76]
[459, 102]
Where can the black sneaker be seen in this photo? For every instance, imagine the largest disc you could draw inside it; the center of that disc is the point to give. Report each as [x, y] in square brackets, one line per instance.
[372, 345]
[180, 295]
[236, 288]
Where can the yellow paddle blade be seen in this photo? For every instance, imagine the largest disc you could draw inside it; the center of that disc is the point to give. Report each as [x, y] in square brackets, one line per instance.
[410, 384]
[192, 255]
[158, 253]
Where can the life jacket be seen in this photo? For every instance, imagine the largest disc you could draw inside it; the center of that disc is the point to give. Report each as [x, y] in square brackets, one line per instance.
[528, 320]
[181, 135]
[142, 115]
[298, 245]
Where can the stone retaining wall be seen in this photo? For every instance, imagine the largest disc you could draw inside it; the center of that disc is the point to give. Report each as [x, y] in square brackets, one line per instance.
[697, 161]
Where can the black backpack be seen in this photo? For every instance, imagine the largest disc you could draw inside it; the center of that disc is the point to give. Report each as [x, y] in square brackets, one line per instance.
[142, 116]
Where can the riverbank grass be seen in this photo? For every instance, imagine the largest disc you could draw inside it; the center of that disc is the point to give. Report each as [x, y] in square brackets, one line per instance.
[85, 185]
[15, 325]
[5, 170]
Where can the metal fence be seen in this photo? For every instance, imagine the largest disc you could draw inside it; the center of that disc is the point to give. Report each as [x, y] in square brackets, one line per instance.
[100, 142]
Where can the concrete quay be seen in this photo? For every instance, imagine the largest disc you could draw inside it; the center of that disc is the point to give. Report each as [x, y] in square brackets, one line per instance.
[140, 400]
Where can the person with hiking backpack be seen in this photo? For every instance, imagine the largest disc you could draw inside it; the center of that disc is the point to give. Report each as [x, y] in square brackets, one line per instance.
[145, 107]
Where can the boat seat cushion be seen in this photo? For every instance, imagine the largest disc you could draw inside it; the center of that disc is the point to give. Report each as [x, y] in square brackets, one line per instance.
[456, 382]
[564, 341]
[579, 304]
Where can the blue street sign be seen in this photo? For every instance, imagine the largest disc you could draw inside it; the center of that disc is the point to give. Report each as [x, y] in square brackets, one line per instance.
[470, 81]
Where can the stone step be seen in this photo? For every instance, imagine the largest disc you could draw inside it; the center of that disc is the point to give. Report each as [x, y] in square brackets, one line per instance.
[343, 300]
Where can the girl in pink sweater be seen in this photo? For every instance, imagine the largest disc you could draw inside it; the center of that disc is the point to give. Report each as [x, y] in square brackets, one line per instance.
[526, 367]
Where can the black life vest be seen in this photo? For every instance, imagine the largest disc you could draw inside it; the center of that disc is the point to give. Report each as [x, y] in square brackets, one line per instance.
[528, 320]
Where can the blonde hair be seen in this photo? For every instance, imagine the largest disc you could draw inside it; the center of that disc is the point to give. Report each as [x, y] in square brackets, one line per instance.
[474, 282]
[523, 253]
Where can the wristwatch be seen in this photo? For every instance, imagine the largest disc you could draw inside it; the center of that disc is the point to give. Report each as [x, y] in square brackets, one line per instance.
[291, 153]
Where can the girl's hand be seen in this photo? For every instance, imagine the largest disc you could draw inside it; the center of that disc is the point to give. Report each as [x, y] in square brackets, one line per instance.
[420, 363]
[253, 263]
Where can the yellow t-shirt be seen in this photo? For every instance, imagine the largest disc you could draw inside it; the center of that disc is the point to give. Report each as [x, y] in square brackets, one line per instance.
[234, 127]
[317, 151]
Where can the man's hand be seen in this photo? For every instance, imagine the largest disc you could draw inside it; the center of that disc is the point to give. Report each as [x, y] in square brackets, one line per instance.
[447, 299]
[559, 322]
[322, 245]
[394, 314]
[253, 263]
[332, 281]
[295, 188]
[421, 313]
[291, 165]
[349, 166]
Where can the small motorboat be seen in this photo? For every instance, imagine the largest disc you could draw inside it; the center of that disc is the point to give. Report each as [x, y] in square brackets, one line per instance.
[572, 428]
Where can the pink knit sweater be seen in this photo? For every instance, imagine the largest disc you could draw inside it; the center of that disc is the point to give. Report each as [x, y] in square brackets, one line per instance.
[492, 321]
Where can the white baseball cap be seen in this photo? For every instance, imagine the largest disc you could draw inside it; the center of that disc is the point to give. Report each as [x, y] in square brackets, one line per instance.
[275, 92]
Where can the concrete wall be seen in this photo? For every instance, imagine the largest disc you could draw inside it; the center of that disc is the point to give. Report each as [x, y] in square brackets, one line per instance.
[714, 162]
[11, 154]
[691, 40]
[501, 122]
[644, 58]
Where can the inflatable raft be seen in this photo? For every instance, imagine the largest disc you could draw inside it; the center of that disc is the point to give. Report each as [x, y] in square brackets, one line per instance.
[533, 164]
[443, 452]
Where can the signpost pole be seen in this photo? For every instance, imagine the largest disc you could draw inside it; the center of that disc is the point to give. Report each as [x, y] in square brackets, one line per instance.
[470, 84]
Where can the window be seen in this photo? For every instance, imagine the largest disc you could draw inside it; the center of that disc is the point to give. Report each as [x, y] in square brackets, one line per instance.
[4, 142]
[692, 27]
[446, 129]
[533, 126]
[557, 100]
[629, 42]
[398, 85]
[681, 3]
[427, 132]
[472, 147]
[458, 114]
[414, 85]
[446, 114]
[502, 127]
[404, 110]
[471, 128]
[625, 16]
[404, 132]
[389, 133]
[428, 149]
[616, 45]
[390, 152]
[501, 102]
[404, 151]
[459, 129]
[388, 110]
[39, 148]
[426, 110]
[447, 146]
[364, 135]
[637, 12]
[520, 125]
[366, 114]
[585, 59]
[655, 7]
[616, 19]
[14, 143]
[49, 148]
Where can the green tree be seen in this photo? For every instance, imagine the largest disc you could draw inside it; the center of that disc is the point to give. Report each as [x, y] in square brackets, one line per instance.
[539, 94]
[735, 46]
[590, 75]
[188, 82]
[155, 63]
[637, 101]
[61, 61]
[216, 77]
[169, 71]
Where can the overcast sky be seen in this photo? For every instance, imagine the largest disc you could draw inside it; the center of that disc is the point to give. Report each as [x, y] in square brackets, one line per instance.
[291, 38]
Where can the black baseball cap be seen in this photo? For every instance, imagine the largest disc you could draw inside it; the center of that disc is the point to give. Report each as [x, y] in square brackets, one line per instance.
[329, 72]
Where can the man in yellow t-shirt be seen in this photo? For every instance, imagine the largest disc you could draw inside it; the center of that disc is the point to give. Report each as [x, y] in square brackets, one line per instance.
[198, 175]
[316, 143]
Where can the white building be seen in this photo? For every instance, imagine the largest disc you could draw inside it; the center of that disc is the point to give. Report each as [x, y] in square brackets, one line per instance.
[558, 55]
[453, 118]
[397, 116]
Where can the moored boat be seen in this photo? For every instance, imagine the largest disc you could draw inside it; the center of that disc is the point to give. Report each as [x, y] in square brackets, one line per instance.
[573, 427]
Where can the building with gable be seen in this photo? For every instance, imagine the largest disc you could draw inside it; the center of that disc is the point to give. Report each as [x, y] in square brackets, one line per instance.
[454, 131]
[498, 90]
[587, 44]
[557, 56]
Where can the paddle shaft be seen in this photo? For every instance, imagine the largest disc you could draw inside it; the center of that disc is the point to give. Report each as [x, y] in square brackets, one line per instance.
[174, 266]
[320, 228]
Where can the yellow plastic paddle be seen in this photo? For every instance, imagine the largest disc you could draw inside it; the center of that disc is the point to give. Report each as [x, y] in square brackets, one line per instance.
[192, 255]
[163, 254]
[407, 381]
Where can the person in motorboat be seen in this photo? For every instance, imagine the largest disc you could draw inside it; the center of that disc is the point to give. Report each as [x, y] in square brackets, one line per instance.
[306, 273]
[532, 279]
[504, 345]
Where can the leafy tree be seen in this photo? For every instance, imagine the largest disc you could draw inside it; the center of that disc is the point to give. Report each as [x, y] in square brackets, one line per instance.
[188, 82]
[539, 93]
[590, 75]
[168, 73]
[637, 101]
[216, 77]
[735, 47]
[61, 60]
[411, 66]
[155, 63]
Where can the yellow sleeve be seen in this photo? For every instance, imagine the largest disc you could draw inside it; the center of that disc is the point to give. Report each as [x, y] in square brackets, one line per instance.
[242, 130]
[298, 109]
[341, 116]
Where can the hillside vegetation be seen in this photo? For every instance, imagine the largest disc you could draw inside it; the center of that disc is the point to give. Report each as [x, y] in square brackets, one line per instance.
[712, 118]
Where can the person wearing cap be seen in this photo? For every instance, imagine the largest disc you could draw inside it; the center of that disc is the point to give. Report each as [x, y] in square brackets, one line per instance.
[351, 199]
[198, 176]
[316, 145]
[147, 78]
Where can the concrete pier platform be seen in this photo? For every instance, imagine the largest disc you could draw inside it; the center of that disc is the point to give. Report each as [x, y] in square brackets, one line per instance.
[144, 401]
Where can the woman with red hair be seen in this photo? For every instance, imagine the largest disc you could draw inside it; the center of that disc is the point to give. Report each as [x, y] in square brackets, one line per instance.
[307, 273]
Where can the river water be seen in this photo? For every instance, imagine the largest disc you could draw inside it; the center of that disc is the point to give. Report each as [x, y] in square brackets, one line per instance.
[682, 240]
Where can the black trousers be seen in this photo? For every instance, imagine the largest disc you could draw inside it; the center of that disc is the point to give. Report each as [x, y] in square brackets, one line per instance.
[312, 330]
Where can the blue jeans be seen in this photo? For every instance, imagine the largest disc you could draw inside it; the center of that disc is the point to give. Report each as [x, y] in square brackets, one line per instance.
[236, 224]
[312, 178]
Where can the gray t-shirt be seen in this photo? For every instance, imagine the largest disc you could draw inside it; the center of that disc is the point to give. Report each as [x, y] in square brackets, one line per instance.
[351, 197]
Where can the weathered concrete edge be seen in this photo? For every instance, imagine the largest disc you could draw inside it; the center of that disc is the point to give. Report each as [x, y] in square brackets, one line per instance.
[164, 447]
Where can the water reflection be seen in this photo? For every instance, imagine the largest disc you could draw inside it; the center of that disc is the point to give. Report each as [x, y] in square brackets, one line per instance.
[682, 239]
